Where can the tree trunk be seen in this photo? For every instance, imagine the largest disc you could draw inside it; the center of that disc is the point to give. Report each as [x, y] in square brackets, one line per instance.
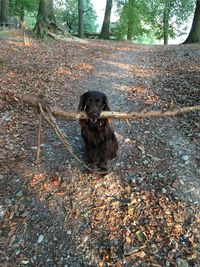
[106, 23]
[46, 21]
[80, 19]
[165, 30]
[42, 23]
[4, 12]
[129, 31]
[194, 35]
[22, 14]
[166, 13]
[130, 20]
[50, 11]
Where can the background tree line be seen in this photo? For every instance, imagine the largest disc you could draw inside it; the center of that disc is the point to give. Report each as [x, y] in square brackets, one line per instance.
[138, 20]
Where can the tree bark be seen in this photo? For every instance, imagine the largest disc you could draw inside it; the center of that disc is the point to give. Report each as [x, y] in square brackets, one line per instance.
[194, 35]
[130, 20]
[166, 13]
[22, 14]
[80, 19]
[129, 32]
[46, 21]
[50, 11]
[105, 31]
[4, 12]
[42, 23]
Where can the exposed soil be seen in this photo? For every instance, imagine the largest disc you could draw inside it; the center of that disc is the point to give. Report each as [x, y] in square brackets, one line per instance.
[144, 214]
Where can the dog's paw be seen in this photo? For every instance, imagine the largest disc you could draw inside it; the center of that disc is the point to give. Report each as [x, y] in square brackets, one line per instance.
[103, 166]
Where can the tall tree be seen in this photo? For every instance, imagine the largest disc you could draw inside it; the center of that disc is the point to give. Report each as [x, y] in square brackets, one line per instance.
[132, 14]
[130, 17]
[50, 11]
[46, 20]
[166, 16]
[134, 11]
[22, 14]
[70, 16]
[80, 19]
[194, 35]
[4, 9]
[105, 31]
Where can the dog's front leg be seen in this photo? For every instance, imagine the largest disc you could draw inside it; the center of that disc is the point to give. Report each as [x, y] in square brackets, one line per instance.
[103, 163]
[92, 156]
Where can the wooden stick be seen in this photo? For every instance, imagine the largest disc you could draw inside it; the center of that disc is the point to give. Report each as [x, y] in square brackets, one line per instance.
[39, 137]
[56, 111]
[58, 132]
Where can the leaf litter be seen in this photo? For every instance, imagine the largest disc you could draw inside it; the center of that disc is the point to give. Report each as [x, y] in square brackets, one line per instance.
[53, 214]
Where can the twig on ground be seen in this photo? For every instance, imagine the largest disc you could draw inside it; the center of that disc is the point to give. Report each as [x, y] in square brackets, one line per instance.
[49, 118]
[39, 137]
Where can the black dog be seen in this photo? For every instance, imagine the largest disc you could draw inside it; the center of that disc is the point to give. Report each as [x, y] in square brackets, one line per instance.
[101, 143]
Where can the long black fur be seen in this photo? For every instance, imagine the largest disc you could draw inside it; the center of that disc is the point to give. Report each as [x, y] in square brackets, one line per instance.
[100, 140]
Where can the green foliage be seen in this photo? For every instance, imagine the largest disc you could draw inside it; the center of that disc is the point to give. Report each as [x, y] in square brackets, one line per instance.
[131, 22]
[17, 5]
[146, 39]
[176, 13]
[25, 10]
[30, 19]
[159, 18]
[69, 16]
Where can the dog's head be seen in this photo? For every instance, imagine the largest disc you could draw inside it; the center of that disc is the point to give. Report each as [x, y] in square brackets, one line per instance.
[93, 102]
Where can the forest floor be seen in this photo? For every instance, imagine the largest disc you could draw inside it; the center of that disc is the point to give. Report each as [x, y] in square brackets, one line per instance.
[55, 214]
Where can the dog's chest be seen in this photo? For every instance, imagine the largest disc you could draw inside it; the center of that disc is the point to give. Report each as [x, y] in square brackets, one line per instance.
[97, 135]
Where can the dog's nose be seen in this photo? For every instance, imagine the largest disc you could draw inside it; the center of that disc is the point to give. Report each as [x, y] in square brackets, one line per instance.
[94, 114]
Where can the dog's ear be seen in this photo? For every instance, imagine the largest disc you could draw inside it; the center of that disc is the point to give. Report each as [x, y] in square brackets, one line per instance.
[81, 105]
[106, 104]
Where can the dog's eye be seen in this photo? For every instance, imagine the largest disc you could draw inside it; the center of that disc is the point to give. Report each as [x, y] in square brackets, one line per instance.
[98, 101]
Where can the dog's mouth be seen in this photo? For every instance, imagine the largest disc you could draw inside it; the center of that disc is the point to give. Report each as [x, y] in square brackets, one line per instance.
[93, 121]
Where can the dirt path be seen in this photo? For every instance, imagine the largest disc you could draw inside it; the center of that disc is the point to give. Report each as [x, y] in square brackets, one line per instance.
[54, 214]
[121, 76]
